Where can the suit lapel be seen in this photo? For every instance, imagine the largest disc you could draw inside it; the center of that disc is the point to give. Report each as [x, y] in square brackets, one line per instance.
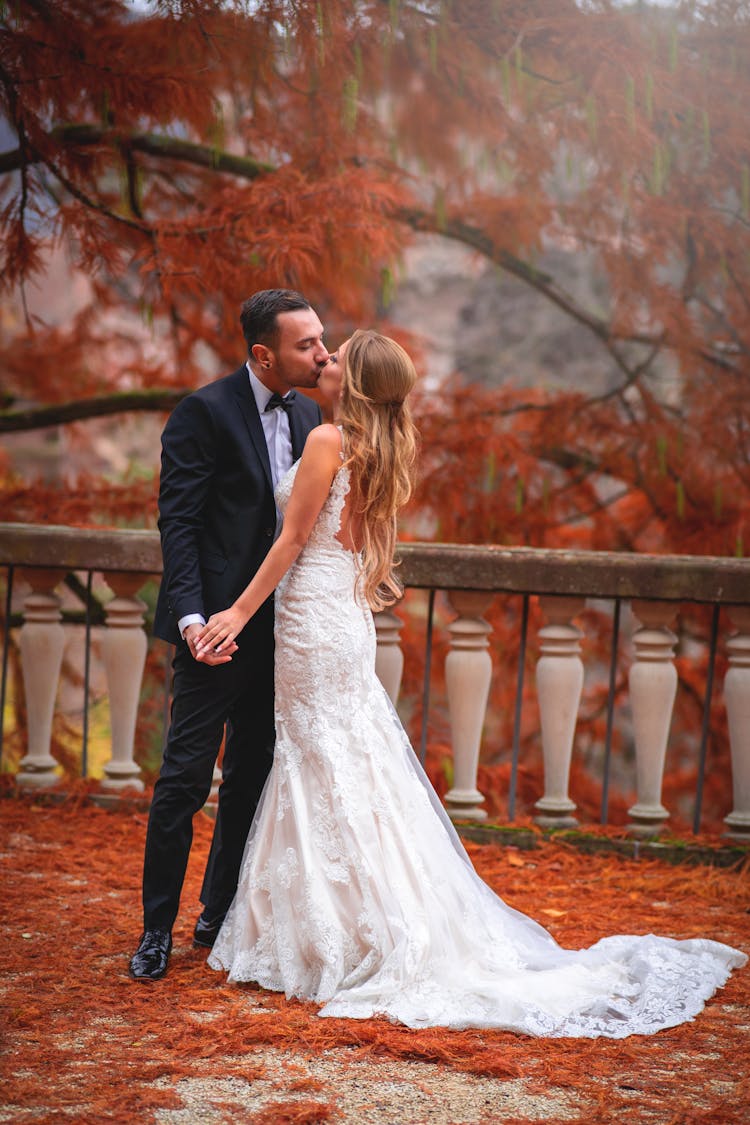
[249, 412]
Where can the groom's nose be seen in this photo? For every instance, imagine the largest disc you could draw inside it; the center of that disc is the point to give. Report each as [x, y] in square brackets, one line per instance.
[322, 355]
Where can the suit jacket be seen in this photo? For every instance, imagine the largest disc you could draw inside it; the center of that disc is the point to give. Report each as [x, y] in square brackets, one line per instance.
[217, 514]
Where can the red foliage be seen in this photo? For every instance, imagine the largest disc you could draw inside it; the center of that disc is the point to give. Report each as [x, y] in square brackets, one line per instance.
[305, 146]
[83, 1041]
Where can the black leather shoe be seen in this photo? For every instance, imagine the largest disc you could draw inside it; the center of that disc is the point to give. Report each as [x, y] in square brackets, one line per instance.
[150, 960]
[207, 930]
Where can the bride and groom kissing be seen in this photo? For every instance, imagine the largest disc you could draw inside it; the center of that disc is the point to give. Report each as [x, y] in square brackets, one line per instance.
[334, 874]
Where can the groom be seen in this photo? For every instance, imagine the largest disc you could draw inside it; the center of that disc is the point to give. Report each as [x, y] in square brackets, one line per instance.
[224, 448]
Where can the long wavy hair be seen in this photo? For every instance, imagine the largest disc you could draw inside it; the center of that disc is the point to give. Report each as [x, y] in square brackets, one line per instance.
[380, 447]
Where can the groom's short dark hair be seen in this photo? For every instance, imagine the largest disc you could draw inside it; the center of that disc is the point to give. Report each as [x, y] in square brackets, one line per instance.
[259, 312]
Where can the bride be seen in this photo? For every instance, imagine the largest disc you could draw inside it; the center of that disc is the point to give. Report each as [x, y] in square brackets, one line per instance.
[355, 891]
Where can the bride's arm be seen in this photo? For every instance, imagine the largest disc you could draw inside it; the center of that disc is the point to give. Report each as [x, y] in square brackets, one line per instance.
[318, 466]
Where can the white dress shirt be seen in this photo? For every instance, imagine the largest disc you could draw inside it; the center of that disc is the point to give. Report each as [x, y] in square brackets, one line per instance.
[278, 435]
[279, 442]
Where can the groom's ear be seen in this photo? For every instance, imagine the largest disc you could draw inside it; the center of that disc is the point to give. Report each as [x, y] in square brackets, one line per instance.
[262, 355]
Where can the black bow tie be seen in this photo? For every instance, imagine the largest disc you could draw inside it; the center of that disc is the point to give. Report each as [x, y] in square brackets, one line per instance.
[276, 400]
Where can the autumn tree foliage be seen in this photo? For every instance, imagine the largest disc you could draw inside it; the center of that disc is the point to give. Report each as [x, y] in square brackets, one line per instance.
[183, 154]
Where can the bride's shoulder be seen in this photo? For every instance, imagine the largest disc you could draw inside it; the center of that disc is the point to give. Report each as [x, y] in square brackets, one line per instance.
[323, 444]
[325, 438]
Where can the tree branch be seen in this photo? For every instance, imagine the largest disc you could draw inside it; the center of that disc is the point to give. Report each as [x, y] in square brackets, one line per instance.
[171, 148]
[478, 240]
[37, 417]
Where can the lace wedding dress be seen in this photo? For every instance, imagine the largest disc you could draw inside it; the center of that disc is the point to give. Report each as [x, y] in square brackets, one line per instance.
[355, 890]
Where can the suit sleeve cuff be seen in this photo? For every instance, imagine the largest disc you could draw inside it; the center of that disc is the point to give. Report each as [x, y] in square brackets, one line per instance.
[190, 619]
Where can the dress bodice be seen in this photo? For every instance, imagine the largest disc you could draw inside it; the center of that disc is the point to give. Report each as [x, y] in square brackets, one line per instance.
[323, 536]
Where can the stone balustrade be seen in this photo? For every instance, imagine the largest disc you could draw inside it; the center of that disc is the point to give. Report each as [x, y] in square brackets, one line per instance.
[655, 587]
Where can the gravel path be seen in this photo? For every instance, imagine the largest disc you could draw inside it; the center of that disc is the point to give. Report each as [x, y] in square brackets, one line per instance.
[365, 1092]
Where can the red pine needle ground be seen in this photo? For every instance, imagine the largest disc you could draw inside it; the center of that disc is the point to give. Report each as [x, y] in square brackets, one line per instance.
[81, 1042]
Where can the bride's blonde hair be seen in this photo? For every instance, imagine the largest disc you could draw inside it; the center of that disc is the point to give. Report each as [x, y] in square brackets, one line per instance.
[380, 445]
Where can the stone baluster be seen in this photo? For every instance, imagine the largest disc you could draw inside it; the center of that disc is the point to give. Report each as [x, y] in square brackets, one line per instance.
[124, 654]
[42, 642]
[559, 682]
[653, 687]
[737, 698]
[468, 671]
[389, 660]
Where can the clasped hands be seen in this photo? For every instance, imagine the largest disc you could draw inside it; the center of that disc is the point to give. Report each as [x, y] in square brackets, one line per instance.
[214, 643]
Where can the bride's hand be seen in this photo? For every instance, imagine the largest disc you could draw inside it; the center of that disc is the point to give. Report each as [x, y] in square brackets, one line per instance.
[219, 632]
[190, 636]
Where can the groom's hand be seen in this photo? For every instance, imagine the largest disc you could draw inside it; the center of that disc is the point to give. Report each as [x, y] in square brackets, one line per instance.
[209, 656]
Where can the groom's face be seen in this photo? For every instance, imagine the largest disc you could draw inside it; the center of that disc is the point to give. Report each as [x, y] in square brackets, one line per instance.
[299, 354]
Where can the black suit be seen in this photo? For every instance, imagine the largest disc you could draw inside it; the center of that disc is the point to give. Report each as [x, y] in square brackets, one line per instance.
[217, 518]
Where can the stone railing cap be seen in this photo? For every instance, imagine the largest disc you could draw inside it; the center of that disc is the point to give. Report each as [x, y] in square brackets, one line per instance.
[606, 574]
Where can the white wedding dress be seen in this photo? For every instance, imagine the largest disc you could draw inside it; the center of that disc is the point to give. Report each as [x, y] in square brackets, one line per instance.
[355, 890]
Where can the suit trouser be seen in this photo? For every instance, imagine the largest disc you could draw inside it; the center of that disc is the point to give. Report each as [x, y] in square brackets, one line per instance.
[204, 698]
